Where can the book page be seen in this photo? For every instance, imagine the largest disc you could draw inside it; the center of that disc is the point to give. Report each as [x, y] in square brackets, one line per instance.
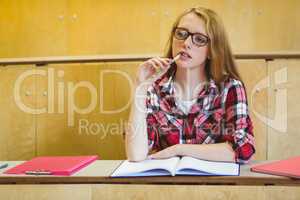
[204, 167]
[151, 167]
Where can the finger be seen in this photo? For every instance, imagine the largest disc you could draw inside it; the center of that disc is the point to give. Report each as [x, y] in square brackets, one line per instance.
[156, 66]
[162, 62]
[152, 70]
[154, 156]
[160, 155]
[153, 63]
[159, 62]
[165, 61]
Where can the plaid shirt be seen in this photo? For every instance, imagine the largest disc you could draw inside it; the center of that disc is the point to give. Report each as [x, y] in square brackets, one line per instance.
[216, 117]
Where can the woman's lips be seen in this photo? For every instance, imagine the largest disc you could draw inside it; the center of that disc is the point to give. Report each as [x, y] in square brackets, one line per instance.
[184, 56]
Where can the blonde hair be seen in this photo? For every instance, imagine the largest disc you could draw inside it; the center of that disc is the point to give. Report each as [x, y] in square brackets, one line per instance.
[221, 63]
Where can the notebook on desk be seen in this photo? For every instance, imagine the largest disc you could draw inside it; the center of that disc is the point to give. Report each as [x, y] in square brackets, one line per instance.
[176, 166]
[52, 165]
[288, 167]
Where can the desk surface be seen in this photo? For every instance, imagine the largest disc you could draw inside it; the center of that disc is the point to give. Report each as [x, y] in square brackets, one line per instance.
[100, 170]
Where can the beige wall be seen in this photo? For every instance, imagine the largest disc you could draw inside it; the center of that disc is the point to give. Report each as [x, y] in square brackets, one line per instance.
[85, 27]
[57, 28]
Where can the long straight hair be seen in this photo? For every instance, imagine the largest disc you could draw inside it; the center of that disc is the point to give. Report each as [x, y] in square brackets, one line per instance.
[220, 64]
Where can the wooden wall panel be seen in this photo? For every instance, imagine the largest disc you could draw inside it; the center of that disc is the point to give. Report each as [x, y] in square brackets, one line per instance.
[281, 192]
[123, 191]
[97, 131]
[113, 27]
[252, 72]
[45, 192]
[283, 128]
[57, 28]
[54, 135]
[35, 28]
[183, 192]
[17, 127]
[252, 26]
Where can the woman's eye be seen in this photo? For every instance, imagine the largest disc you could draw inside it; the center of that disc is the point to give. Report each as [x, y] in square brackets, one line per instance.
[182, 34]
[199, 39]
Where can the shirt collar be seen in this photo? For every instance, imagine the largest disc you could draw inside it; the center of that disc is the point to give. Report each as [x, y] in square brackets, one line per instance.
[165, 82]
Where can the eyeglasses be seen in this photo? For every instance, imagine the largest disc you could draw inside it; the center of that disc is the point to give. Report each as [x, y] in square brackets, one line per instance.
[198, 39]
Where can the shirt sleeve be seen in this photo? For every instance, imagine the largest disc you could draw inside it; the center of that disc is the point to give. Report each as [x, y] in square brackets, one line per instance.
[239, 129]
[151, 122]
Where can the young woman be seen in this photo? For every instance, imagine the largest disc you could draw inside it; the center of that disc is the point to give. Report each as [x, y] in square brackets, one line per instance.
[197, 105]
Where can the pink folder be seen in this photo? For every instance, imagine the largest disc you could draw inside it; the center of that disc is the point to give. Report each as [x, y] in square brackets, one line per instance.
[53, 165]
[289, 167]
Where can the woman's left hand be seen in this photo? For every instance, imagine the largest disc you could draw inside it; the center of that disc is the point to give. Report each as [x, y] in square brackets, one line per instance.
[166, 153]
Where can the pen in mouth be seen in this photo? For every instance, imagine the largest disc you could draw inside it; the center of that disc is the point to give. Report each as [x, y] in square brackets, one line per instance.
[171, 62]
[175, 58]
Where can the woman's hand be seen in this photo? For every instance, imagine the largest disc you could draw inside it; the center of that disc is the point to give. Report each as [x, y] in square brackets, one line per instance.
[166, 153]
[151, 67]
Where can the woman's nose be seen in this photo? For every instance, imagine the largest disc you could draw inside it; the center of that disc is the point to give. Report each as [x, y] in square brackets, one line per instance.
[188, 42]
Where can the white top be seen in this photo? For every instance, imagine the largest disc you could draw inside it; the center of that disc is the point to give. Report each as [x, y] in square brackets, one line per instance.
[185, 105]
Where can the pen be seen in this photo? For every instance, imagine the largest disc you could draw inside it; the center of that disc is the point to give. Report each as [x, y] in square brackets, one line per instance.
[3, 165]
[175, 58]
[158, 70]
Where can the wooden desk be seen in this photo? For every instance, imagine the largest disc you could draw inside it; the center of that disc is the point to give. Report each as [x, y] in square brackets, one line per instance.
[93, 182]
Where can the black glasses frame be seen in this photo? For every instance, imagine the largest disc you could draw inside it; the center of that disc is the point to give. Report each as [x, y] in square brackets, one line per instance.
[192, 34]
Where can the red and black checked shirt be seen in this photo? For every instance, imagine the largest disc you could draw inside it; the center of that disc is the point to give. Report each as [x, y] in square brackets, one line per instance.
[216, 117]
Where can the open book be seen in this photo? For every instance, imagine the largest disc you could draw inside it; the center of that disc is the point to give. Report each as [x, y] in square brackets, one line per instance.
[176, 166]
